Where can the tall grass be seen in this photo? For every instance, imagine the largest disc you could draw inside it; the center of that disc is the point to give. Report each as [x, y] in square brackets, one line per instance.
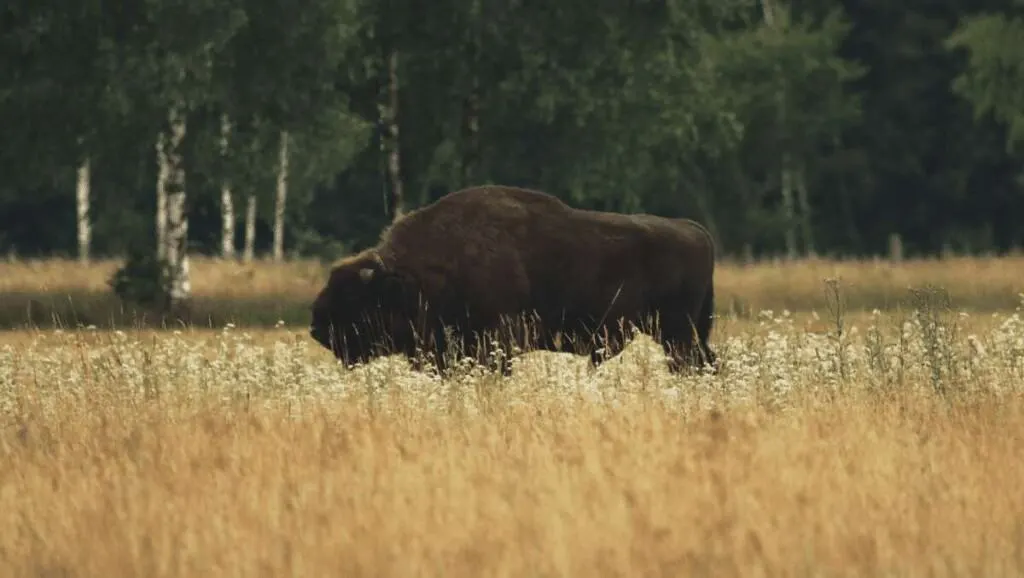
[876, 444]
[58, 293]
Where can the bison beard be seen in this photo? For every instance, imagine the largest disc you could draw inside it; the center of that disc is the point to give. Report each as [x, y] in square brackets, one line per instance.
[506, 266]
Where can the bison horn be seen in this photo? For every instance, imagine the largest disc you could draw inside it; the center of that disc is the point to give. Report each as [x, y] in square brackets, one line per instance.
[366, 275]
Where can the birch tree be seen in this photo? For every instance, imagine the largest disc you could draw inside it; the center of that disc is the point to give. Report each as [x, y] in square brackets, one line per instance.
[165, 70]
[162, 172]
[249, 249]
[53, 108]
[176, 239]
[787, 81]
[777, 21]
[281, 198]
[384, 43]
[227, 205]
[792, 180]
[82, 218]
[282, 70]
[390, 139]
[471, 155]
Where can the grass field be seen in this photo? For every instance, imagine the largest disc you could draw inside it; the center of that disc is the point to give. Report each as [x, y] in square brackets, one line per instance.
[62, 293]
[831, 443]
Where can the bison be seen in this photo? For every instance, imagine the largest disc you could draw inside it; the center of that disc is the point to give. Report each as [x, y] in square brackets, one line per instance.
[513, 267]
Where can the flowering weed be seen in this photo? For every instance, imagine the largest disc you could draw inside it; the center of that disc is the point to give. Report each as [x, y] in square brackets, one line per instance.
[892, 445]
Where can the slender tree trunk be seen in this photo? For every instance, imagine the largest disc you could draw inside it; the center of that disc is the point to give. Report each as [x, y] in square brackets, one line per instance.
[227, 204]
[281, 200]
[177, 218]
[250, 229]
[768, 11]
[388, 110]
[786, 178]
[471, 114]
[162, 171]
[800, 184]
[786, 172]
[471, 167]
[84, 225]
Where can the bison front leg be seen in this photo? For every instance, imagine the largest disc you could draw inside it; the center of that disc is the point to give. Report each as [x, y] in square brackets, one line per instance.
[503, 341]
[497, 355]
[676, 335]
[432, 350]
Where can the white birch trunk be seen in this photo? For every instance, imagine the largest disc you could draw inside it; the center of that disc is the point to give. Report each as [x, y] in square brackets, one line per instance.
[250, 229]
[388, 110]
[281, 200]
[84, 225]
[227, 205]
[177, 219]
[161, 197]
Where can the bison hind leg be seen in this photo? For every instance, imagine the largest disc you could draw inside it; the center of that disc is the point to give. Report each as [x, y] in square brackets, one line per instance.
[689, 354]
[684, 341]
[705, 320]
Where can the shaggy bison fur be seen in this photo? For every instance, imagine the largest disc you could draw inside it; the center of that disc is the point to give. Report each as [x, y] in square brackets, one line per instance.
[519, 268]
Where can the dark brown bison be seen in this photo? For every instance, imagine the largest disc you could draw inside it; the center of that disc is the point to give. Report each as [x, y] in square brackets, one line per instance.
[514, 267]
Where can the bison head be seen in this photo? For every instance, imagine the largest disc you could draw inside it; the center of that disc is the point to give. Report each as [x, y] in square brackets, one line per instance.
[355, 315]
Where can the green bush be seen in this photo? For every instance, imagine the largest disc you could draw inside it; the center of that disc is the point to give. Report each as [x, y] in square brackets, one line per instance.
[143, 280]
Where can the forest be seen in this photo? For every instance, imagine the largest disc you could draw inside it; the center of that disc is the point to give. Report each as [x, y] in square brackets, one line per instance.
[248, 128]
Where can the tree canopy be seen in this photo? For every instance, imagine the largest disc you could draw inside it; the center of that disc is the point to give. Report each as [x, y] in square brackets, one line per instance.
[787, 126]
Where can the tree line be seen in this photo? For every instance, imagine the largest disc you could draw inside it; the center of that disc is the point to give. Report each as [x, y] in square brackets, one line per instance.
[236, 127]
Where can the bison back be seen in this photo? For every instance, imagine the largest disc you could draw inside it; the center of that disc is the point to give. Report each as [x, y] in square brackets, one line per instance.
[502, 250]
[472, 249]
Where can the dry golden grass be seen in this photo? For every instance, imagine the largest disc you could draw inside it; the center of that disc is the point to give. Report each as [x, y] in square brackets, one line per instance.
[893, 448]
[210, 277]
[857, 488]
[63, 293]
[38, 292]
[977, 284]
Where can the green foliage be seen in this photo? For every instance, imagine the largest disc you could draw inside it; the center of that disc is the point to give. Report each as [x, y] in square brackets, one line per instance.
[993, 80]
[143, 280]
[796, 60]
[678, 107]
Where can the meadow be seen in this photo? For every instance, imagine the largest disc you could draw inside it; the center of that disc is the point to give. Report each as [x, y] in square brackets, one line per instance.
[868, 420]
[61, 293]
